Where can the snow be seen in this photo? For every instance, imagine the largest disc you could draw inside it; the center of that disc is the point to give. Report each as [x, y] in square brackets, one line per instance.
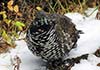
[85, 65]
[89, 42]
[27, 58]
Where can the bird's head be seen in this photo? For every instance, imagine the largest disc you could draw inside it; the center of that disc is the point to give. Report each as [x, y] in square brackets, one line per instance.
[41, 23]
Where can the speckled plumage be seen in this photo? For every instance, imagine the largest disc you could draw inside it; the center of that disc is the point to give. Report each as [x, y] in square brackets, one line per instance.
[51, 36]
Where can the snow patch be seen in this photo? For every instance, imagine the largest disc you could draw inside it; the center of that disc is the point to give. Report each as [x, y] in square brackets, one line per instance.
[85, 65]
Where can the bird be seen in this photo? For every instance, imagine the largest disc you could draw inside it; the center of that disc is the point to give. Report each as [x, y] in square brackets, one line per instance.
[51, 36]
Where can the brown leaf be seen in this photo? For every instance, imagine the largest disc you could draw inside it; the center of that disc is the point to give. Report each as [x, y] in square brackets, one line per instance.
[98, 64]
[19, 14]
[4, 48]
[10, 7]
[16, 8]
[10, 2]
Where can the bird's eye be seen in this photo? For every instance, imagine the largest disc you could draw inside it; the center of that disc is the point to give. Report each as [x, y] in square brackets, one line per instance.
[36, 32]
[40, 30]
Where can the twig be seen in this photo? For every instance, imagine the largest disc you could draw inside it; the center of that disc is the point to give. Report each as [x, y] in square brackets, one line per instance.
[16, 62]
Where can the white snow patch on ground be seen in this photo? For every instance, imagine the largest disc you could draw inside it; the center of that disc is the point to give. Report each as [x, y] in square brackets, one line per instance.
[89, 42]
[85, 65]
[29, 61]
